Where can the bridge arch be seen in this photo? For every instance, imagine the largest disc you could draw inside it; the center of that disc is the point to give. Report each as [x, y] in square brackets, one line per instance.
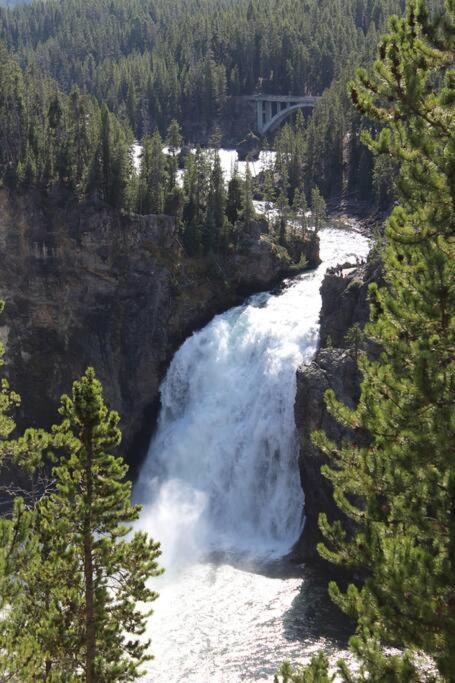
[278, 119]
[272, 110]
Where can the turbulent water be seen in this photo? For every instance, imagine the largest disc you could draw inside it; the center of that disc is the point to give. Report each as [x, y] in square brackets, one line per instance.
[222, 493]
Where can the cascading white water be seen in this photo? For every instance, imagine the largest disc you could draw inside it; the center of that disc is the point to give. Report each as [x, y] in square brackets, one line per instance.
[225, 452]
[222, 471]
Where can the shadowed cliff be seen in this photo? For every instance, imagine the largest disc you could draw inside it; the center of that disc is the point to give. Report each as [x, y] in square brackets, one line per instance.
[344, 303]
[87, 285]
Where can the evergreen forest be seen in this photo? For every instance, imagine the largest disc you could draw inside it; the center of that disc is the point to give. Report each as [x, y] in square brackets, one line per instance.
[125, 107]
[151, 63]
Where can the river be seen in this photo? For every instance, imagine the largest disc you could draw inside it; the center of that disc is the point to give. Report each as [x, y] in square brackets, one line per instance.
[221, 491]
[229, 159]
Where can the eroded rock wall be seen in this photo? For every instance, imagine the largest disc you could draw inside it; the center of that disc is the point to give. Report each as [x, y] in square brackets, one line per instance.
[86, 285]
[344, 303]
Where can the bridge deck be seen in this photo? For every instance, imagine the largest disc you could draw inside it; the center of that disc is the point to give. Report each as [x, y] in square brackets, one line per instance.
[281, 98]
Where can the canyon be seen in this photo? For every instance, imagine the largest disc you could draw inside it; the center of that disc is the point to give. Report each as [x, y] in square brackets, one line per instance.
[87, 285]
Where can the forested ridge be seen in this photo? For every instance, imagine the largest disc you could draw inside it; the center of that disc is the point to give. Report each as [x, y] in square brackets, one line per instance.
[153, 61]
[71, 145]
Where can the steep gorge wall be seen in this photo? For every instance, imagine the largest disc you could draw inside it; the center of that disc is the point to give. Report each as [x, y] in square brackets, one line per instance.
[86, 285]
[344, 303]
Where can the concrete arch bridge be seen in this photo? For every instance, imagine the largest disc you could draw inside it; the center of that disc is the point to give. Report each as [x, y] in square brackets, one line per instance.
[272, 110]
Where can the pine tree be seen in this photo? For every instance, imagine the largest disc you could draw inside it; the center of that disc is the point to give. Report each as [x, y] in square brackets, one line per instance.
[214, 224]
[121, 169]
[296, 161]
[195, 208]
[80, 138]
[300, 208]
[174, 141]
[174, 136]
[269, 192]
[191, 236]
[248, 212]
[20, 647]
[105, 154]
[399, 491]
[284, 146]
[383, 180]
[8, 400]
[72, 576]
[318, 209]
[234, 198]
[112, 164]
[283, 215]
[90, 513]
[152, 176]
[355, 339]
[22, 656]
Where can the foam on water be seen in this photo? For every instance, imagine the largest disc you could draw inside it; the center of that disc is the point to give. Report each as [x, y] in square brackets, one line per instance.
[222, 475]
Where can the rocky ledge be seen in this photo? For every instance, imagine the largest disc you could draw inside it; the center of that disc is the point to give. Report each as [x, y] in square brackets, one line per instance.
[344, 303]
[86, 285]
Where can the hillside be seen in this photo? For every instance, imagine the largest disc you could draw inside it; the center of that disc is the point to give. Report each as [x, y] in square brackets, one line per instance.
[151, 60]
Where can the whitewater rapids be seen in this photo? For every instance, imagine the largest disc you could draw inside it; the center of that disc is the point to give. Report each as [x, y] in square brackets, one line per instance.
[221, 488]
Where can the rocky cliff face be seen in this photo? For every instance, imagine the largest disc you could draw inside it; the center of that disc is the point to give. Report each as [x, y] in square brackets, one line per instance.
[85, 285]
[344, 303]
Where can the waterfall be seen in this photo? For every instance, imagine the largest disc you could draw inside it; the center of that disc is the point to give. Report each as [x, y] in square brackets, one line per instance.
[222, 471]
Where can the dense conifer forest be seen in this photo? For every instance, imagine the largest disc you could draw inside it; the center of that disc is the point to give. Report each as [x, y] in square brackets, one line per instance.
[80, 82]
[153, 62]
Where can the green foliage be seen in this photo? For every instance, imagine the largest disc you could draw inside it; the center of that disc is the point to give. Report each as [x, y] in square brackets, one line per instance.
[282, 205]
[216, 207]
[300, 208]
[247, 212]
[291, 150]
[72, 574]
[111, 169]
[151, 61]
[234, 198]
[8, 400]
[355, 339]
[384, 175]
[316, 672]
[174, 136]
[158, 67]
[48, 139]
[213, 219]
[399, 490]
[174, 141]
[152, 179]
[318, 209]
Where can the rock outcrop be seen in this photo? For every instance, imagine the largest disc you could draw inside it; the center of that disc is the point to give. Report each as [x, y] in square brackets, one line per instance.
[86, 285]
[344, 303]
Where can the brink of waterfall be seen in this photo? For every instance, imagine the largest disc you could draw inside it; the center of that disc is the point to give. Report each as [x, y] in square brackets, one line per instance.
[222, 471]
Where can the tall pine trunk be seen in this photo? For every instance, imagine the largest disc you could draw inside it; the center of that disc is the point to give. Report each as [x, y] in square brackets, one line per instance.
[90, 629]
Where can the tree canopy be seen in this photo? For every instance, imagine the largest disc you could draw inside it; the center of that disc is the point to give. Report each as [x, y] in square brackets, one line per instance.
[152, 61]
[398, 491]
